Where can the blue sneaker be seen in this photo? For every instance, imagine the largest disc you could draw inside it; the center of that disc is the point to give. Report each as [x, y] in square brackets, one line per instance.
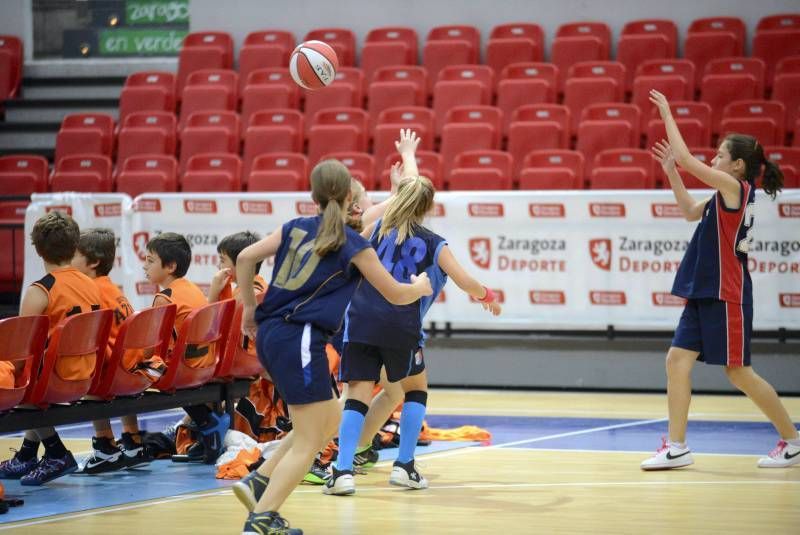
[212, 435]
[250, 488]
[15, 468]
[49, 469]
[268, 523]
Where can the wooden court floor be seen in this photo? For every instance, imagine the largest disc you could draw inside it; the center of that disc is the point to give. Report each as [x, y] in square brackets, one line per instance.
[511, 487]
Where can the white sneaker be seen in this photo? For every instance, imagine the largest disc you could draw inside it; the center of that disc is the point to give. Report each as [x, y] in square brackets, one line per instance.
[407, 475]
[668, 457]
[341, 483]
[783, 455]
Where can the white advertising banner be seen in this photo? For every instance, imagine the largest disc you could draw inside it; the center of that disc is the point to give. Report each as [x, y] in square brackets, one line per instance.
[557, 260]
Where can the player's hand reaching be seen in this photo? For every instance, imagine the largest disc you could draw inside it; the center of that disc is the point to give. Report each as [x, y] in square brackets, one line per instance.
[660, 101]
[396, 175]
[408, 142]
[493, 307]
[422, 283]
[662, 152]
[249, 326]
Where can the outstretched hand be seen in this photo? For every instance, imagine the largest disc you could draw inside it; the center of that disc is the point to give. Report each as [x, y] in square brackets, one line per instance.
[408, 142]
[493, 307]
[396, 175]
[661, 102]
[662, 153]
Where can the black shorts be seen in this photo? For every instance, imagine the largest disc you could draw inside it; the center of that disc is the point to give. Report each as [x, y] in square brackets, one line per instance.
[362, 362]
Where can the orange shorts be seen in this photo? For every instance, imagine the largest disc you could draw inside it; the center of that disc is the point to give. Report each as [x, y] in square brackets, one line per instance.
[7, 376]
[75, 368]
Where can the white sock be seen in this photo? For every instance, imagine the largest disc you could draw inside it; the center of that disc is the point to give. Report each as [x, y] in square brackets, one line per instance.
[678, 445]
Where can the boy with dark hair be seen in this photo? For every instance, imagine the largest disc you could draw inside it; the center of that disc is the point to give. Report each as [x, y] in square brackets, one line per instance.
[94, 258]
[229, 248]
[167, 261]
[63, 292]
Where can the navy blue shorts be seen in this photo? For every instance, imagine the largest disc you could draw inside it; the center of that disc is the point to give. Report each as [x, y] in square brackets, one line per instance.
[294, 356]
[362, 362]
[718, 330]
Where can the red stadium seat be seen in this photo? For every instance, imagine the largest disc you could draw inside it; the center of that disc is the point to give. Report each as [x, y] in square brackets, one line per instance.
[641, 158]
[148, 329]
[205, 327]
[664, 27]
[683, 68]
[342, 40]
[209, 89]
[703, 154]
[212, 172]
[579, 41]
[148, 173]
[477, 179]
[582, 92]
[396, 86]
[583, 28]
[11, 60]
[702, 47]
[147, 133]
[633, 50]
[596, 136]
[90, 173]
[22, 340]
[525, 83]
[520, 30]
[620, 178]
[347, 91]
[788, 159]
[732, 25]
[763, 119]
[237, 361]
[147, 91]
[754, 67]
[601, 69]
[336, 130]
[429, 164]
[264, 49]
[449, 45]
[272, 131]
[461, 85]
[23, 174]
[391, 120]
[268, 89]
[478, 114]
[279, 171]
[612, 111]
[85, 133]
[13, 241]
[731, 79]
[400, 34]
[538, 126]
[694, 122]
[392, 45]
[360, 164]
[674, 87]
[779, 21]
[469, 165]
[461, 137]
[514, 43]
[552, 169]
[209, 131]
[203, 50]
[774, 45]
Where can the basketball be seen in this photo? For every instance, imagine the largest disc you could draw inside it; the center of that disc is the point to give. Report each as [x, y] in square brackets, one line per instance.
[313, 65]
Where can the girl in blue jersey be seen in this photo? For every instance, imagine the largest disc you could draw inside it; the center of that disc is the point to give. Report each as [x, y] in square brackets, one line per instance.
[716, 323]
[379, 333]
[318, 263]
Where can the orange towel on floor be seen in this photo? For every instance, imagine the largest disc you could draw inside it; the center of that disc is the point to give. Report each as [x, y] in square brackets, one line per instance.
[237, 468]
[465, 432]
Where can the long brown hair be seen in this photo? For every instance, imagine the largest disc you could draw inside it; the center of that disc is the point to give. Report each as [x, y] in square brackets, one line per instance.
[330, 185]
[750, 151]
[407, 209]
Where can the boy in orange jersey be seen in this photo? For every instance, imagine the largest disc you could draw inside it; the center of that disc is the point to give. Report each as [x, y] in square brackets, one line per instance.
[229, 248]
[63, 292]
[94, 258]
[167, 261]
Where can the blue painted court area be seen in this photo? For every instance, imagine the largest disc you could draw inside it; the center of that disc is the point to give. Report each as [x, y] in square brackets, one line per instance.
[163, 479]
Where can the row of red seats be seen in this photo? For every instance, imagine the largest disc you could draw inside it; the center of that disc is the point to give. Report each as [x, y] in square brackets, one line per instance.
[508, 43]
[726, 80]
[23, 339]
[469, 170]
[10, 66]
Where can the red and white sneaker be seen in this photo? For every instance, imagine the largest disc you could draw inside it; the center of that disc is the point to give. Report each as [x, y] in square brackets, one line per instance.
[667, 457]
[783, 455]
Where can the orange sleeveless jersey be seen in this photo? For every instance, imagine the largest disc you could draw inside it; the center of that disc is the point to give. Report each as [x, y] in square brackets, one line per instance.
[188, 297]
[112, 298]
[70, 292]
[228, 292]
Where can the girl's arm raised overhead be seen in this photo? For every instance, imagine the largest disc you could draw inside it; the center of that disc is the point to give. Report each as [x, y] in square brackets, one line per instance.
[691, 208]
[721, 181]
[467, 282]
[407, 148]
[246, 271]
[395, 292]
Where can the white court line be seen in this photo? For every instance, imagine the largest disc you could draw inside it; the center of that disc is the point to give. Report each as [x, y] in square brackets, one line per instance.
[570, 450]
[361, 490]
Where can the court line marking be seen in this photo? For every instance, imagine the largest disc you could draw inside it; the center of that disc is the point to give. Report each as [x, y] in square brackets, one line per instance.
[582, 484]
[636, 452]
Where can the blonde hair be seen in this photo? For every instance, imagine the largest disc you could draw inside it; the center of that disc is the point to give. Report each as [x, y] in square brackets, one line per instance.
[358, 189]
[330, 185]
[407, 209]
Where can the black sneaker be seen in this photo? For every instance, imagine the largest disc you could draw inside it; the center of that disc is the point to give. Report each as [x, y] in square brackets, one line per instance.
[268, 524]
[48, 469]
[365, 458]
[135, 453]
[15, 468]
[250, 488]
[318, 473]
[340, 483]
[406, 475]
[106, 457]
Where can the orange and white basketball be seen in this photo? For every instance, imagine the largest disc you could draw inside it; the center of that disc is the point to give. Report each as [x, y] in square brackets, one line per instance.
[313, 65]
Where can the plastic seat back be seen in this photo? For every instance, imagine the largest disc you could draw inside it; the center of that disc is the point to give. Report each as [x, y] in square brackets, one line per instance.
[278, 172]
[732, 25]
[237, 362]
[23, 174]
[22, 339]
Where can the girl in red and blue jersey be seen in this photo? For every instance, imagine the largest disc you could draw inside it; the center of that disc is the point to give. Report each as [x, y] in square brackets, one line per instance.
[717, 322]
[319, 261]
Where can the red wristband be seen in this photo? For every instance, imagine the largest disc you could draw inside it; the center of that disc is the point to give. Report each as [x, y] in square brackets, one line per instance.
[489, 297]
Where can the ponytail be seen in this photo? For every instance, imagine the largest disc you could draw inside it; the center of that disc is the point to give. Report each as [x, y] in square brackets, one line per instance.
[330, 185]
[407, 209]
[773, 178]
[751, 152]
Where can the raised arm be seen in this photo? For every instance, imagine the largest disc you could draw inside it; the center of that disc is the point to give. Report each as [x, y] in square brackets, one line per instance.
[467, 282]
[395, 292]
[246, 271]
[692, 209]
[721, 181]
[406, 146]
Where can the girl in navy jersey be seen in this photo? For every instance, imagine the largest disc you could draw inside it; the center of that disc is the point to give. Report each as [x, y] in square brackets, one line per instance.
[318, 263]
[379, 333]
[716, 323]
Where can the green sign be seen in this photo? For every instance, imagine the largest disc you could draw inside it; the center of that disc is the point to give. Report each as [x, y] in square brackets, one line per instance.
[149, 12]
[122, 42]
